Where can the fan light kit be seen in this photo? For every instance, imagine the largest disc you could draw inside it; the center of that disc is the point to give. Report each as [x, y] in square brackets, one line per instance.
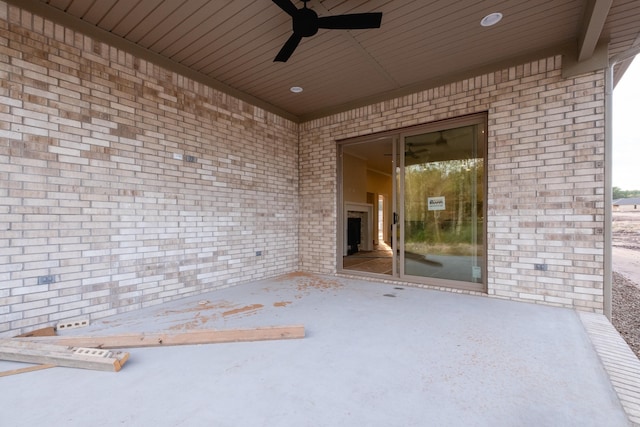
[306, 23]
[296, 89]
[491, 19]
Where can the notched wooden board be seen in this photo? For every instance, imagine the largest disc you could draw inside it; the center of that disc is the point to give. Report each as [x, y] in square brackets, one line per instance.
[24, 350]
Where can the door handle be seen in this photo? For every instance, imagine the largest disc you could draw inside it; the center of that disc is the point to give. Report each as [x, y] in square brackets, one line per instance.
[396, 218]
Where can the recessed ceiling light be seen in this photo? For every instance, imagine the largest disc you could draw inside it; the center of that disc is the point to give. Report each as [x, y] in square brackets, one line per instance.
[491, 19]
[296, 89]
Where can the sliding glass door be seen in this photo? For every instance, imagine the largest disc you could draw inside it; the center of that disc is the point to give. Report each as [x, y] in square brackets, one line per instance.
[413, 204]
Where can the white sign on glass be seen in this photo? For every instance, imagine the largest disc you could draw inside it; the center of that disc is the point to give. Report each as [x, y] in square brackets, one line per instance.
[435, 203]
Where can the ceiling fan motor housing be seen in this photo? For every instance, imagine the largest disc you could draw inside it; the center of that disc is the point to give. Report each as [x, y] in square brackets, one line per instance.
[305, 22]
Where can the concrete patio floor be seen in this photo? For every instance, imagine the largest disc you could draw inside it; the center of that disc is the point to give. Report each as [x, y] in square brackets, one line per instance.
[374, 354]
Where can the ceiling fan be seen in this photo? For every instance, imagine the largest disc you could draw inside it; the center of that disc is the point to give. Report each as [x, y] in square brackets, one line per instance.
[441, 139]
[410, 151]
[306, 23]
[426, 139]
[415, 154]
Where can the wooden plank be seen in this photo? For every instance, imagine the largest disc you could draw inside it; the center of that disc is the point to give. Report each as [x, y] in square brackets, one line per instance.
[24, 350]
[44, 332]
[206, 336]
[25, 370]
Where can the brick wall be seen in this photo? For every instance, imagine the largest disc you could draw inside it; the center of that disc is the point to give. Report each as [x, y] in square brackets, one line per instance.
[92, 192]
[545, 171]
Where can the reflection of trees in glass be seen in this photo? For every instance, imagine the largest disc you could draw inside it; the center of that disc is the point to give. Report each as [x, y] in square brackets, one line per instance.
[450, 230]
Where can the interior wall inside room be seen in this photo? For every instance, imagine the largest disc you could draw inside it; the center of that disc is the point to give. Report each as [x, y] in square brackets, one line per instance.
[354, 177]
[380, 184]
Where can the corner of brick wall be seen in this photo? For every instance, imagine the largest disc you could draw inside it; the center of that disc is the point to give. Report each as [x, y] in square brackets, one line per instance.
[123, 185]
[545, 165]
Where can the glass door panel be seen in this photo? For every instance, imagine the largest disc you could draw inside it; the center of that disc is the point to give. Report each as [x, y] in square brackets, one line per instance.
[368, 206]
[442, 180]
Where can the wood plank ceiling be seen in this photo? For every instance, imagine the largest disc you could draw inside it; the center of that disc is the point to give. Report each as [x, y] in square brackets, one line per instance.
[232, 43]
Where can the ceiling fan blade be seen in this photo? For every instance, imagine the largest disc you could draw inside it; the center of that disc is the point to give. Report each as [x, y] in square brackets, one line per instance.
[287, 6]
[288, 48]
[354, 21]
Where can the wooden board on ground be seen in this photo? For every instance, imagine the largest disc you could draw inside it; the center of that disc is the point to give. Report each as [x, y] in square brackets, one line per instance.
[24, 350]
[44, 332]
[206, 336]
[25, 370]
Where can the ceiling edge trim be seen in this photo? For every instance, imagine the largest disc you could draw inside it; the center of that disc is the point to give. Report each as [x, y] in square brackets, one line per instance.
[623, 60]
[558, 49]
[47, 12]
[599, 60]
